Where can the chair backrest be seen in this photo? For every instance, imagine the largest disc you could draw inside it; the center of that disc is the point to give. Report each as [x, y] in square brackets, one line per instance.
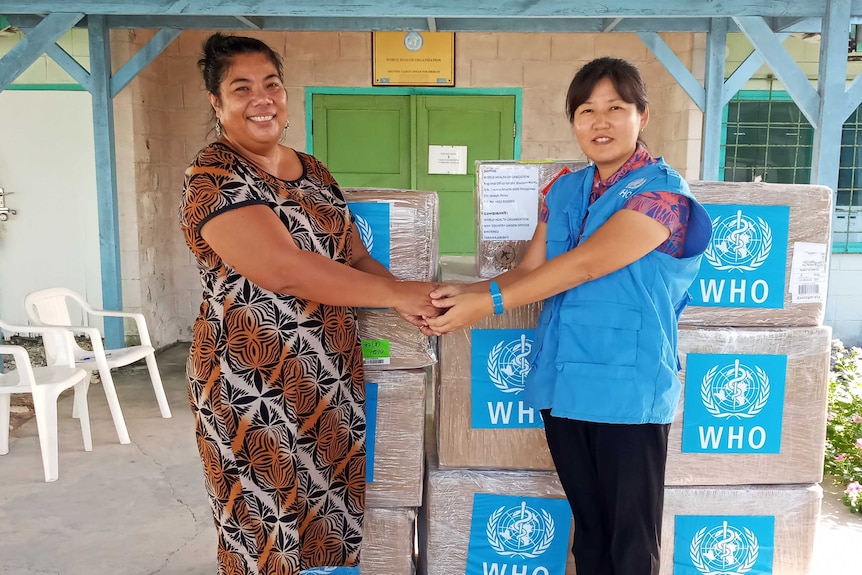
[50, 307]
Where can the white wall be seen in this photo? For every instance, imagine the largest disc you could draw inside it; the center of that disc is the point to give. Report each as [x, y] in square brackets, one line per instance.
[844, 302]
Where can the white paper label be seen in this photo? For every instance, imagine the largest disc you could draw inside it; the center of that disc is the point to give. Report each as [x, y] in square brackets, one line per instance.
[447, 159]
[510, 202]
[808, 272]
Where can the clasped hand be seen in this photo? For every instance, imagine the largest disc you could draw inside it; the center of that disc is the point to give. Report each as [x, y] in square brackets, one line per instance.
[458, 305]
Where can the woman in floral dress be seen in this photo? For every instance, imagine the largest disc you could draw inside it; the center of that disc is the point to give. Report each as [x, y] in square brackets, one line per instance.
[275, 370]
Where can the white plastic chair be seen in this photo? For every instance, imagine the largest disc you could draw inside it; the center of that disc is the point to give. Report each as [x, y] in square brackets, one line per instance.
[50, 307]
[45, 385]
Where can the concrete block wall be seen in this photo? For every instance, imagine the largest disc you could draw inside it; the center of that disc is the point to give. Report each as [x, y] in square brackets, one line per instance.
[171, 123]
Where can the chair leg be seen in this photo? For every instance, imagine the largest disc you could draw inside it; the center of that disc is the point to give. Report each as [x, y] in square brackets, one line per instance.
[45, 406]
[164, 408]
[83, 411]
[114, 404]
[5, 408]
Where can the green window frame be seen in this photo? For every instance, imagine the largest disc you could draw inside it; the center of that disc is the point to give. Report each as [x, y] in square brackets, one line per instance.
[766, 136]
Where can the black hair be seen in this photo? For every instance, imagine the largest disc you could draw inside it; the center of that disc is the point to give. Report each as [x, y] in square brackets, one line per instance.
[219, 51]
[623, 75]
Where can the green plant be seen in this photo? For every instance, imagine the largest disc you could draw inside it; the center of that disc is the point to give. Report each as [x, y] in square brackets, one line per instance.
[843, 458]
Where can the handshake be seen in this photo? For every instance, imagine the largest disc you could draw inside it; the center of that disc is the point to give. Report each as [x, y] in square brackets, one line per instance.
[424, 304]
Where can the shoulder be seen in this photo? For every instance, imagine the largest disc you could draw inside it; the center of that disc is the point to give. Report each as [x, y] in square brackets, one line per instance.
[214, 157]
[569, 183]
[315, 170]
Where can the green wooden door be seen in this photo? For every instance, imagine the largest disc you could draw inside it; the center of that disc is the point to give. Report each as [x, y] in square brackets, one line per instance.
[486, 126]
[382, 141]
[363, 140]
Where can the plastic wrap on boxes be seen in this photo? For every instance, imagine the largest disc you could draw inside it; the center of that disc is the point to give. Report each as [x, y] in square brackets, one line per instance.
[413, 229]
[803, 426]
[505, 202]
[449, 506]
[399, 438]
[810, 222]
[403, 345]
[795, 509]
[459, 444]
[449, 503]
[387, 542]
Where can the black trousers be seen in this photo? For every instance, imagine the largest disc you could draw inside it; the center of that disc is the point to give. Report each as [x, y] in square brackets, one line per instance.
[613, 476]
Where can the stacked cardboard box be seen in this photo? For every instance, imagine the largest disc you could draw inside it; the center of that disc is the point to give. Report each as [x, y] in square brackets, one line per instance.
[399, 228]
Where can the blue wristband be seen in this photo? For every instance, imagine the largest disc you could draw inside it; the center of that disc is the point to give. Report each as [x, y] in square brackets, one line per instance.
[497, 298]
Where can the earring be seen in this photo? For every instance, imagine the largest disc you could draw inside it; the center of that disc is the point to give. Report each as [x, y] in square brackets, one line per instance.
[287, 126]
[218, 128]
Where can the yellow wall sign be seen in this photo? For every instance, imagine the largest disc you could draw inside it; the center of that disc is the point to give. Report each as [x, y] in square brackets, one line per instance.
[414, 58]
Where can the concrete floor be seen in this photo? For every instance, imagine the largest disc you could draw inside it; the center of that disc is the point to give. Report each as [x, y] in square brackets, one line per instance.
[141, 509]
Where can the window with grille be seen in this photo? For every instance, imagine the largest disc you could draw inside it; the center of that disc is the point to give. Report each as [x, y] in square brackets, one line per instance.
[767, 138]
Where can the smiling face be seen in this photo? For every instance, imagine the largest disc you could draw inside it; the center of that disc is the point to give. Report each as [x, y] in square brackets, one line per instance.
[251, 104]
[607, 127]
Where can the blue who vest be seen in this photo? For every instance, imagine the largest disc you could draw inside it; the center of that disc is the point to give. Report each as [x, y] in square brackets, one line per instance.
[606, 350]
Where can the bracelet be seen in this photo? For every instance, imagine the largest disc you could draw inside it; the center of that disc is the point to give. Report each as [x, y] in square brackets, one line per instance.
[497, 298]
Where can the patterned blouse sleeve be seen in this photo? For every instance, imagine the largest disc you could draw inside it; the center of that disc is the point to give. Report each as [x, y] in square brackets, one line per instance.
[670, 209]
[213, 185]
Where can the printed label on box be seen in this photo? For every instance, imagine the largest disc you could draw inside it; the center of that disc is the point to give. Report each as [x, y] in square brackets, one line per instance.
[498, 370]
[723, 544]
[372, 221]
[733, 403]
[511, 534]
[745, 263]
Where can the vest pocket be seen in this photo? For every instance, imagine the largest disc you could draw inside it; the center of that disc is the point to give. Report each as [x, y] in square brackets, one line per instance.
[600, 336]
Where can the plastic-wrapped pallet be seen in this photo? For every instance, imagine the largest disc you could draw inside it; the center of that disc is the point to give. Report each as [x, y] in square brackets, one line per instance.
[771, 528]
[408, 245]
[390, 342]
[508, 199]
[481, 421]
[399, 434]
[387, 544]
[753, 407]
[767, 262]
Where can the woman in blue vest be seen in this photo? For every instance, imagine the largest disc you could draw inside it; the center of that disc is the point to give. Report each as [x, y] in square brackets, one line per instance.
[617, 246]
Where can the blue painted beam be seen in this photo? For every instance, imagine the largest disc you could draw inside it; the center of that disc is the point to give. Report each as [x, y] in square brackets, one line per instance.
[252, 22]
[70, 65]
[142, 59]
[24, 53]
[797, 84]
[853, 96]
[672, 64]
[106, 177]
[826, 158]
[716, 42]
[744, 72]
[334, 23]
[427, 8]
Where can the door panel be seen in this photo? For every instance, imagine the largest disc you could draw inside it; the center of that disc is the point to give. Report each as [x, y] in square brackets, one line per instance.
[363, 140]
[47, 165]
[372, 140]
[485, 124]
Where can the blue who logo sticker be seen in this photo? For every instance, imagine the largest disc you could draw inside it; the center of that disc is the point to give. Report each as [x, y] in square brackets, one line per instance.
[499, 366]
[371, 394]
[734, 403]
[744, 264]
[372, 221]
[723, 544]
[511, 534]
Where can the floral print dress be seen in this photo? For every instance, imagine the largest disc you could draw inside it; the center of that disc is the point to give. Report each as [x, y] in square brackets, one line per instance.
[276, 382]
